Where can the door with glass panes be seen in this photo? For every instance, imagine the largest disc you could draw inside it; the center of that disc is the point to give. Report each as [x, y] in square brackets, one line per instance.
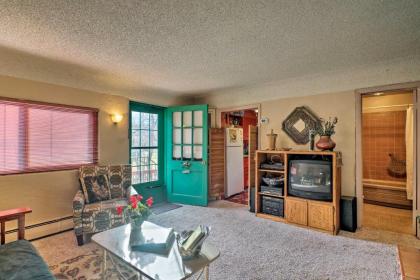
[186, 154]
[147, 150]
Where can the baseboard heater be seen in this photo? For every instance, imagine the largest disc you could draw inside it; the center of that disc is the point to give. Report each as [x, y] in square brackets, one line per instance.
[44, 229]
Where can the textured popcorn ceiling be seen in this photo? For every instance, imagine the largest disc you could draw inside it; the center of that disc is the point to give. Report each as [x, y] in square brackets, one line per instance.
[173, 48]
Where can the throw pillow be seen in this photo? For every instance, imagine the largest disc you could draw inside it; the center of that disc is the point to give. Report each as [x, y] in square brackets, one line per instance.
[95, 188]
[115, 179]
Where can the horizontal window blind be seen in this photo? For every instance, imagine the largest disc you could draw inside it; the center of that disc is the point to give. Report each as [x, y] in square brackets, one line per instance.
[36, 137]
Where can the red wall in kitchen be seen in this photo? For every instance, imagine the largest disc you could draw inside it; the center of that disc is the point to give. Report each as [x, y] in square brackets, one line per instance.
[250, 118]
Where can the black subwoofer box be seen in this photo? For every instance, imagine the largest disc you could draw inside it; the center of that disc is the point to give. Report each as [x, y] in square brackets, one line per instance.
[348, 213]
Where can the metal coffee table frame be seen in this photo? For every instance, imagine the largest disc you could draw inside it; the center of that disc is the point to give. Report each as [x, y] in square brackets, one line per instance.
[198, 275]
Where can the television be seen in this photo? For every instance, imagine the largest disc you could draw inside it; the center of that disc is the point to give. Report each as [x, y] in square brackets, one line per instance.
[310, 177]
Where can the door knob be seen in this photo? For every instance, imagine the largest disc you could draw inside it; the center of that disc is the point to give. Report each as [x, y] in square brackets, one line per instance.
[186, 164]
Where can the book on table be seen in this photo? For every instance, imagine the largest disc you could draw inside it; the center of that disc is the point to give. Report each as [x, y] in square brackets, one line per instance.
[152, 238]
[196, 236]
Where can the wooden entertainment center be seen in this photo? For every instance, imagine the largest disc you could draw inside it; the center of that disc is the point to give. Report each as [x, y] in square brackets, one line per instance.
[310, 213]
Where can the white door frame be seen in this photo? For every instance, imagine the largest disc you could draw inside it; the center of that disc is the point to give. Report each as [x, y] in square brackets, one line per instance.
[212, 117]
[415, 87]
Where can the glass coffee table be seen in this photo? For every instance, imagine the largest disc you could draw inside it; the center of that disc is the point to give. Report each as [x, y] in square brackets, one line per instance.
[115, 245]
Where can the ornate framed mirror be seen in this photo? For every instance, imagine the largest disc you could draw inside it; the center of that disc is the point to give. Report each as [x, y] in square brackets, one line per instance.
[298, 124]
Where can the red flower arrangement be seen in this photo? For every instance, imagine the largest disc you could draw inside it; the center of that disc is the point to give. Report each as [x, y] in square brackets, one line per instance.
[137, 210]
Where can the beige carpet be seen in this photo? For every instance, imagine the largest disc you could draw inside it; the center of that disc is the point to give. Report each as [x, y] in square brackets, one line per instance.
[251, 248]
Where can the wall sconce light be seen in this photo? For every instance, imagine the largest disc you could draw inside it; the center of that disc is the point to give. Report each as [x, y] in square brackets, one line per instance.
[116, 118]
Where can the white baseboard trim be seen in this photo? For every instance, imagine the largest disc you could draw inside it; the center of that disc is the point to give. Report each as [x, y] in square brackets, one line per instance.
[43, 229]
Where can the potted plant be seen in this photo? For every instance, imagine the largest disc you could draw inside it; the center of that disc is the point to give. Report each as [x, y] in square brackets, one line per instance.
[137, 211]
[325, 131]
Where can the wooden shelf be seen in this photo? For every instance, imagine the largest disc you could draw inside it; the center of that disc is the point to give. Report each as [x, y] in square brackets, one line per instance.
[271, 170]
[298, 152]
[271, 217]
[272, 195]
[272, 152]
[317, 215]
[313, 201]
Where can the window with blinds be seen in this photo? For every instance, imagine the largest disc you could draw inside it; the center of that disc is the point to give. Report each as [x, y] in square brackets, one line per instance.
[36, 137]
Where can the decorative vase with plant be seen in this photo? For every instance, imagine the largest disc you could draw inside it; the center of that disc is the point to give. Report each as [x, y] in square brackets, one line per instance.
[136, 211]
[325, 131]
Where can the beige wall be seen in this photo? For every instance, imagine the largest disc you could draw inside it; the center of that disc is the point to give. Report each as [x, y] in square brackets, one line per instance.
[50, 194]
[341, 105]
[364, 76]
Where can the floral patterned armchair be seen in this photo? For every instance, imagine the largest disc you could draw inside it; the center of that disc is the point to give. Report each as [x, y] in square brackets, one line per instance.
[103, 188]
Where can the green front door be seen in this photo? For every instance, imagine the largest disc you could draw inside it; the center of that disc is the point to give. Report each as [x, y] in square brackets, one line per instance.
[186, 154]
[146, 131]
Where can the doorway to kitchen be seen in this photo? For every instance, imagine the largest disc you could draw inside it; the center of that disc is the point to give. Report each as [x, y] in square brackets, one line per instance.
[241, 142]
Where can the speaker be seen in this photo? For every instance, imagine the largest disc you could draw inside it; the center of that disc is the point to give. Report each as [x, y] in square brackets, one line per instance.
[251, 199]
[348, 213]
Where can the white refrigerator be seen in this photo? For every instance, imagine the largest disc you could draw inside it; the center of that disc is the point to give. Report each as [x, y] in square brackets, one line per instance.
[234, 161]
